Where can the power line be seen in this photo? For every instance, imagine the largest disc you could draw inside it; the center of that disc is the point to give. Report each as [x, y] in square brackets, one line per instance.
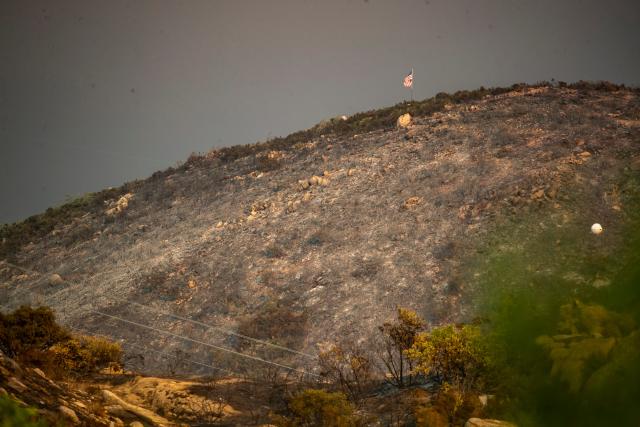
[181, 336]
[216, 328]
[204, 343]
[163, 353]
[186, 319]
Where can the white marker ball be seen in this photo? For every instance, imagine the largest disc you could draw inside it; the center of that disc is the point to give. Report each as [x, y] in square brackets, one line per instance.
[596, 228]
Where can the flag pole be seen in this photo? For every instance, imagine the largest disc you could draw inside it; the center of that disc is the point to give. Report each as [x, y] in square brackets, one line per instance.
[412, 85]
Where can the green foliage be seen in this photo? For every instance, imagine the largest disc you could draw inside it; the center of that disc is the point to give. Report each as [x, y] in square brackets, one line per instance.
[313, 407]
[454, 354]
[568, 352]
[14, 415]
[28, 329]
[587, 336]
[397, 339]
[83, 355]
[32, 336]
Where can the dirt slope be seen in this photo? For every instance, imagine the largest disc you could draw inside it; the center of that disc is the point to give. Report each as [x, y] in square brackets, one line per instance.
[250, 246]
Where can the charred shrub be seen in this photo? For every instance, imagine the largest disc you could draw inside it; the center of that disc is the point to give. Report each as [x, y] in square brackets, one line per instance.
[277, 322]
[274, 251]
[313, 407]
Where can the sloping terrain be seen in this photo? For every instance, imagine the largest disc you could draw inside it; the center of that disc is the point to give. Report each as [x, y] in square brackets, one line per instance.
[254, 244]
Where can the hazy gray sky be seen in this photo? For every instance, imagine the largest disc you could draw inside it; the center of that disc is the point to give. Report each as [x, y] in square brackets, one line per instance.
[96, 93]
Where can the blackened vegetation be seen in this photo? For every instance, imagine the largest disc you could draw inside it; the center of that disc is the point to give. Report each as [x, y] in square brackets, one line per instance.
[278, 322]
[14, 236]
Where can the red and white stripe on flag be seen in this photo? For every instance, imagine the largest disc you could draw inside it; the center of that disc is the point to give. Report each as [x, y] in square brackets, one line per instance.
[408, 81]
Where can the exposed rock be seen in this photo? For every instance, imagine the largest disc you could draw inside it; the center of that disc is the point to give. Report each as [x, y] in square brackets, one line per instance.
[69, 414]
[485, 398]
[412, 202]
[55, 280]
[404, 120]
[113, 400]
[120, 205]
[117, 411]
[16, 385]
[136, 424]
[537, 195]
[303, 183]
[39, 372]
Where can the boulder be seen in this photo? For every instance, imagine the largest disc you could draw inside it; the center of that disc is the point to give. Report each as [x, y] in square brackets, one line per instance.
[113, 401]
[16, 385]
[404, 120]
[55, 280]
[411, 202]
[69, 414]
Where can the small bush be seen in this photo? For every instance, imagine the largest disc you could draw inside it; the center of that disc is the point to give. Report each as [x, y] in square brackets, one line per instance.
[274, 251]
[397, 338]
[349, 368]
[29, 329]
[32, 336]
[454, 355]
[276, 322]
[268, 163]
[83, 355]
[450, 407]
[14, 415]
[313, 407]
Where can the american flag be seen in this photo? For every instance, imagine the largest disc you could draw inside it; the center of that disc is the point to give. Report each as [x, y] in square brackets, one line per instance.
[408, 81]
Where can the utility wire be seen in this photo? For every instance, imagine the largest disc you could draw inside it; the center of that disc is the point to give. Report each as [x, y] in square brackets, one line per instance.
[163, 353]
[204, 343]
[215, 328]
[176, 335]
[186, 319]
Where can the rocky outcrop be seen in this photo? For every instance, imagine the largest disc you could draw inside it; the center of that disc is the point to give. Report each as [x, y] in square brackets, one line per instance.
[55, 402]
[116, 405]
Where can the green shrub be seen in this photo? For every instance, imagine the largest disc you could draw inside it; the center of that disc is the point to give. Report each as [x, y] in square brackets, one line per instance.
[313, 407]
[32, 336]
[29, 329]
[456, 355]
[83, 355]
[14, 415]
